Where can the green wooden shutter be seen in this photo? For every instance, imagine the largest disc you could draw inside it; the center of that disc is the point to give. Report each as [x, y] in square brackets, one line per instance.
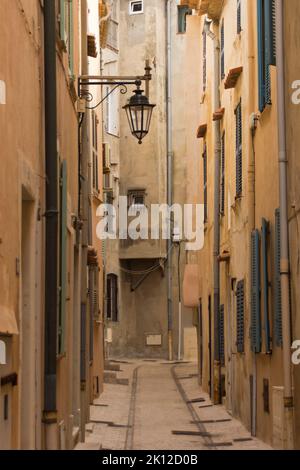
[239, 16]
[255, 293]
[222, 50]
[240, 305]
[63, 259]
[277, 283]
[264, 236]
[62, 21]
[71, 38]
[239, 150]
[222, 334]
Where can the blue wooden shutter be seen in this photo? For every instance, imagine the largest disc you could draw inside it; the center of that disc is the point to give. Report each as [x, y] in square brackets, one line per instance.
[240, 327]
[63, 260]
[255, 293]
[270, 31]
[277, 283]
[239, 16]
[264, 241]
[222, 334]
[222, 50]
[205, 182]
[222, 173]
[239, 150]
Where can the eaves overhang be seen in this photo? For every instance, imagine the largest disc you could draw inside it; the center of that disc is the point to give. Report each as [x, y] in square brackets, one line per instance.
[211, 8]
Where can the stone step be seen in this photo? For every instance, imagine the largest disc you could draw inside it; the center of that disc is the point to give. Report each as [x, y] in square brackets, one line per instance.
[88, 445]
[110, 377]
[112, 367]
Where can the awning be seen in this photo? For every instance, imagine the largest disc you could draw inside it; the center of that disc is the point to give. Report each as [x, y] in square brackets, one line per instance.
[191, 286]
[8, 323]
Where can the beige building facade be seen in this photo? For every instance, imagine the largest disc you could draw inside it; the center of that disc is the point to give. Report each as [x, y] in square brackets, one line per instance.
[42, 346]
[234, 108]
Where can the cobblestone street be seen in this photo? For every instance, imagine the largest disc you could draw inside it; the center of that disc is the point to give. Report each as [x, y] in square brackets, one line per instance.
[162, 408]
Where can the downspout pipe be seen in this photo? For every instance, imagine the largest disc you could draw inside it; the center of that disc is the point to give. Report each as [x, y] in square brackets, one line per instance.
[52, 211]
[284, 248]
[84, 215]
[169, 177]
[216, 245]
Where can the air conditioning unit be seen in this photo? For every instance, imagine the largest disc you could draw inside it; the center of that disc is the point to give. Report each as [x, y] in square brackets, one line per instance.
[106, 158]
[107, 182]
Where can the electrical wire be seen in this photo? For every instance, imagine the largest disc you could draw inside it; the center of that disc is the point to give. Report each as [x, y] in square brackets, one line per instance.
[149, 270]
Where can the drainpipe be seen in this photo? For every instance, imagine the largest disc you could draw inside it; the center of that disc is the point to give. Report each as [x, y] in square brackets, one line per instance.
[169, 177]
[284, 248]
[84, 219]
[216, 247]
[51, 255]
[251, 189]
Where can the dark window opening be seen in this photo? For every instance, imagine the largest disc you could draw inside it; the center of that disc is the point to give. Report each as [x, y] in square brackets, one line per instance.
[183, 12]
[112, 311]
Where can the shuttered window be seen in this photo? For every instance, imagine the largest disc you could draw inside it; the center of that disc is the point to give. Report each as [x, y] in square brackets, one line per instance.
[277, 283]
[266, 18]
[222, 50]
[239, 150]
[182, 12]
[240, 307]
[66, 29]
[255, 293]
[95, 165]
[222, 176]
[264, 244]
[205, 182]
[112, 298]
[63, 260]
[222, 334]
[239, 16]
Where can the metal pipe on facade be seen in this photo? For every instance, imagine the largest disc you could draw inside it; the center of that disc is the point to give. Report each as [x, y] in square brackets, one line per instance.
[169, 176]
[216, 246]
[284, 248]
[52, 211]
[84, 156]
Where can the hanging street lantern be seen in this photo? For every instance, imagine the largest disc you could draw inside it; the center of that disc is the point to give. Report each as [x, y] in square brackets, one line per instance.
[139, 113]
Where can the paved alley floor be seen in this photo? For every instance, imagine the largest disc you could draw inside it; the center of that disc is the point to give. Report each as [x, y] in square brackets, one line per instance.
[163, 408]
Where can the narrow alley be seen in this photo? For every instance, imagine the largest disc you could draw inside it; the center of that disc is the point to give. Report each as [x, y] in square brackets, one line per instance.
[153, 405]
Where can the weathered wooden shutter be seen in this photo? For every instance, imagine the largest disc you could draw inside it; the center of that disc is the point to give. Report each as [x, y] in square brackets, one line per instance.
[277, 283]
[261, 55]
[264, 243]
[222, 179]
[63, 258]
[270, 31]
[239, 151]
[222, 50]
[205, 182]
[240, 305]
[62, 20]
[255, 293]
[222, 334]
[239, 16]
[71, 38]
[115, 307]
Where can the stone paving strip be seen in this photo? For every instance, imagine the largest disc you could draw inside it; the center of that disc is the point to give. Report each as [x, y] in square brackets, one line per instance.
[162, 408]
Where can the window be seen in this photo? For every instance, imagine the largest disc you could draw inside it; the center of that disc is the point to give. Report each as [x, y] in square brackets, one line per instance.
[183, 11]
[239, 16]
[222, 334]
[240, 307]
[277, 283]
[204, 156]
[204, 71]
[112, 312]
[112, 112]
[222, 50]
[266, 17]
[63, 259]
[95, 168]
[66, 31]
[265, 230]
[137, 198]
[136, 7]
[255, 331]
[112, 41]
[239, 150]
[222, 176]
